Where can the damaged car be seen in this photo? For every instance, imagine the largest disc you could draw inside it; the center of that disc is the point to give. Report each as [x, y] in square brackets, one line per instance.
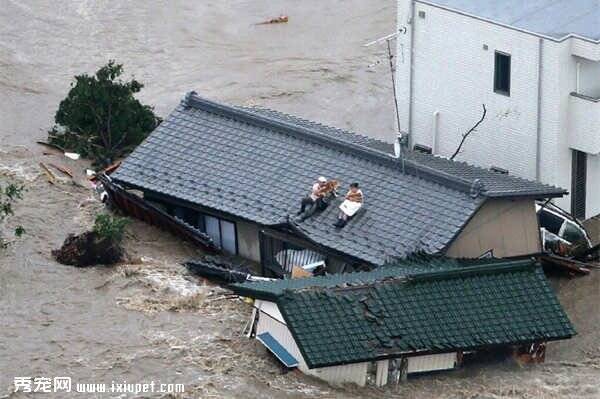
[561, 233]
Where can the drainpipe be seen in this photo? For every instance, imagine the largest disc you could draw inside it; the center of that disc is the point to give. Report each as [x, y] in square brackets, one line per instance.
[434, 132]
[538, 144]
[411, 73]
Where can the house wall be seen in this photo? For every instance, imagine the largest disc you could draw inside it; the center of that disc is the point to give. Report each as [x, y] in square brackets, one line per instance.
[445, 74]
[267, 322]
[270, 320]
[426, 363]
[508, 227]
[248, 242]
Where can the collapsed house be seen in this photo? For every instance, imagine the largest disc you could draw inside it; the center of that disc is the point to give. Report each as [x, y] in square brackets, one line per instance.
[377, 327]
[238, 174]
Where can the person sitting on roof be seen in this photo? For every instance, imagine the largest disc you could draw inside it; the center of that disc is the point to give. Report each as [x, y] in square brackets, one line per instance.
[351, 205]
[319, 197]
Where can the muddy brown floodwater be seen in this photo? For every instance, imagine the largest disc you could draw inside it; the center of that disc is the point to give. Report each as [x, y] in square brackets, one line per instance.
[148, 319]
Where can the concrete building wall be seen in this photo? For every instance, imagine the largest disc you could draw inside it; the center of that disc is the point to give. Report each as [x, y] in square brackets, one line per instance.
[248, 241]
[453, 75]
[506, 227]
[445, 64]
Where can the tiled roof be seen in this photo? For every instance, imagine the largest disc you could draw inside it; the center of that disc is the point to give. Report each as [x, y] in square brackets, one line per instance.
[463, 309]
[257, 165]
[416, 264]
[494, 184]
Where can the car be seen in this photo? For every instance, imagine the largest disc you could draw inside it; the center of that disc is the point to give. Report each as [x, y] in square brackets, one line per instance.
[559, 230]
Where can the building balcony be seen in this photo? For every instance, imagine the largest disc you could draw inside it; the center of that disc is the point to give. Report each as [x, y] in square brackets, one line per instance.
[584, 123]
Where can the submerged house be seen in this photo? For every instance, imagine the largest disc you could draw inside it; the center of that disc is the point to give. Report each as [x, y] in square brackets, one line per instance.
[377, 327]
[238, 174]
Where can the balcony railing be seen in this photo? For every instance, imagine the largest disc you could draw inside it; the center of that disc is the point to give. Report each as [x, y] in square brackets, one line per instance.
[584, 123]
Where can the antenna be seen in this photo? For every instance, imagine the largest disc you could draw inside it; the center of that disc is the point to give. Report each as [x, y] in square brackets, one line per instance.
[388, 39]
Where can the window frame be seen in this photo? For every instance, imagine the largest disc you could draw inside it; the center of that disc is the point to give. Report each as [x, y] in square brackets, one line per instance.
[497, 90]
[203, 216]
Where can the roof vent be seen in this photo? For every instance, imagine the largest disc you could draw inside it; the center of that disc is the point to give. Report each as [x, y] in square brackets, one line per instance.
[499, 170]
[423, 148]
[477, 188]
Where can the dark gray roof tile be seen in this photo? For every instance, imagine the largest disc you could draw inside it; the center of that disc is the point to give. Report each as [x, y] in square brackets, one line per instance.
[258, 164]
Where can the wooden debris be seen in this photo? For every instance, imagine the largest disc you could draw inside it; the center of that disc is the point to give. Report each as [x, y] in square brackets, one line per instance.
[107, 171]
[49, 175]
[63, 169]
[57, 149]
[298, 272]
[279, 20]
[566, 264]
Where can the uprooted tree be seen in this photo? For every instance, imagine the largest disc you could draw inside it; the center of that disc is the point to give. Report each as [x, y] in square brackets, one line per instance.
[9, 194]
[101, 245]
[100, 118]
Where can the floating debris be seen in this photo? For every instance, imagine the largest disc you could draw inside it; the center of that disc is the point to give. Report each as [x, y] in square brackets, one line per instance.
[279, 20]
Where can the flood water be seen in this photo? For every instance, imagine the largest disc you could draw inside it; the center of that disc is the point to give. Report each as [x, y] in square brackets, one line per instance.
[148, 320]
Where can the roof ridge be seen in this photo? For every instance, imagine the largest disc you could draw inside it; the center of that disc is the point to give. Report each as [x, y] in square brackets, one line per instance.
[322, 125]
[468, 271]
[479, 270]
[409, 166]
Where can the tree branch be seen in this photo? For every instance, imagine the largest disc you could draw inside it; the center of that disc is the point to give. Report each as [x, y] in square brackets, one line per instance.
[471, 130]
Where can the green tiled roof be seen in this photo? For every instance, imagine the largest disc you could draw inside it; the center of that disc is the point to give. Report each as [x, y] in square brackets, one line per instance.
[416, 264]
[465, 308]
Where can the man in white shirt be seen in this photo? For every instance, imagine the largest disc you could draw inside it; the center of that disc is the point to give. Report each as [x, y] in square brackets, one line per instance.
[315, 195]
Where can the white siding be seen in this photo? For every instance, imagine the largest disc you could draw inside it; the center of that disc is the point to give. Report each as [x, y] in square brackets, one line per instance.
[421, 364]
[382, 372]
[592, 206]
[351, 373]
[355, 373]
[452, 75]
[270, 308]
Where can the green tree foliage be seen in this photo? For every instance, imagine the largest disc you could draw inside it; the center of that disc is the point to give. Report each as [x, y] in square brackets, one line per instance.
[9, 194]
[110, 227]
[100, 118]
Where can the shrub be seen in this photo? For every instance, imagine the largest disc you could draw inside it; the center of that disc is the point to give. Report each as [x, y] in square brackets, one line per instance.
[110, 227]
[9, 194]
[100, 118]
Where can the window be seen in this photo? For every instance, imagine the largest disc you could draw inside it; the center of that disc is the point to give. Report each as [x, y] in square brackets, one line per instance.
[222, 232]
[228, 241]
[502, 73]
[578, 184]
[573, 233]
[550, 221]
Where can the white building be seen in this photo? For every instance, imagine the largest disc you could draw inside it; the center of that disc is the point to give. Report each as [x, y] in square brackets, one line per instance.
[536, 67]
